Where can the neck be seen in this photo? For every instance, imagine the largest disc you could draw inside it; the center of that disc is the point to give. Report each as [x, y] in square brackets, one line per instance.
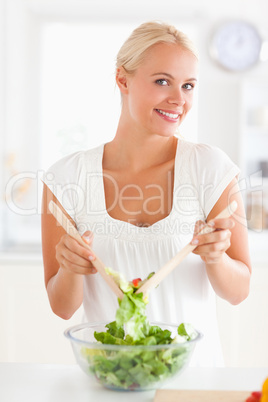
[138, 151]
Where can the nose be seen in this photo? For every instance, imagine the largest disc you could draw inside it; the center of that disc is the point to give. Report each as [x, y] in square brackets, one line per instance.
[177, 97]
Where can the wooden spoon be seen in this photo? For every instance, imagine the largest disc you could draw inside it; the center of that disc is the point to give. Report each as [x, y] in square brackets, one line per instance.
[72, 231]
[177, 259]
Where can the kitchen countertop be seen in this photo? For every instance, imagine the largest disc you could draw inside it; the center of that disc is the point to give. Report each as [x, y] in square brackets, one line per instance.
[27, 382]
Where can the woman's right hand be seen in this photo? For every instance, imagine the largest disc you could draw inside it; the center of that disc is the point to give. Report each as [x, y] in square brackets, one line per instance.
[75, 258]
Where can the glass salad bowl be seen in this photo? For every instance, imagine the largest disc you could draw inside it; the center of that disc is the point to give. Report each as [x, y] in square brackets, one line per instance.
[132, 367]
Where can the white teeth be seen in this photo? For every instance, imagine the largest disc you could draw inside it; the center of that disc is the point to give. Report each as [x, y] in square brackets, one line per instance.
[173, 116]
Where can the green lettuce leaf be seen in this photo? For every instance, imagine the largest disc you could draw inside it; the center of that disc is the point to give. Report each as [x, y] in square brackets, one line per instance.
[134, 369]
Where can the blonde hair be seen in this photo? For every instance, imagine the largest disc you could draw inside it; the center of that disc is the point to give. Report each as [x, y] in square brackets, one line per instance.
[133, 51]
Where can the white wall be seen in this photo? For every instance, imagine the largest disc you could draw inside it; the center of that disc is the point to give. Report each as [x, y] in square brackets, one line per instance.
[2, 98]
[220, 91]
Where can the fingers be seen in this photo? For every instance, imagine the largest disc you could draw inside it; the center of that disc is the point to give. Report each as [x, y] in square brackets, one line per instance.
[214, 241]
[217, 224]
[199, 225]
[211, 246]
[228, 223]
[74, 257]
[88, 237]
[76, 269]
[213, 237]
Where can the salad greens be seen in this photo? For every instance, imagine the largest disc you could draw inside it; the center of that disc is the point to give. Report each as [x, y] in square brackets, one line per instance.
[139, 367]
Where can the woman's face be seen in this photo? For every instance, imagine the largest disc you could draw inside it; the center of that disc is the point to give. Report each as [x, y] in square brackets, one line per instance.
[160, 93]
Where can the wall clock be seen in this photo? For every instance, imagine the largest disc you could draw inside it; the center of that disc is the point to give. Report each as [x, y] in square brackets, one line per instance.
[236, 45]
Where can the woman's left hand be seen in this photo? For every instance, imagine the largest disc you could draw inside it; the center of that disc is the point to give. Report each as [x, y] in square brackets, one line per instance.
[212, 246]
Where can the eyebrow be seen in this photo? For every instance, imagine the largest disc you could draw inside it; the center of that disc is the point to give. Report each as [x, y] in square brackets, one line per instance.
[171, 76]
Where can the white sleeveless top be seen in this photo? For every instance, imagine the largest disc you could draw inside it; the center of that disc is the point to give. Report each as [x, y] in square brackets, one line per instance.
[201, 174]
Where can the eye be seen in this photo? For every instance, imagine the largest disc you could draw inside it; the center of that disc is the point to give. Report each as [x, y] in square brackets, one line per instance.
[162, 81]
[188, 86]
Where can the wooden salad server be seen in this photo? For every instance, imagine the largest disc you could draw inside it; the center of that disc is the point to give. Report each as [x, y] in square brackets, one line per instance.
[177, 259]
[72, 231]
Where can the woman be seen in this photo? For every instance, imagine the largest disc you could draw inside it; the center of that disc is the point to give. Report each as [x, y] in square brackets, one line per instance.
[140, 196]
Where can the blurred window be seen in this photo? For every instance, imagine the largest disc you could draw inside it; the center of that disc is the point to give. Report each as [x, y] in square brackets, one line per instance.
[60, 97]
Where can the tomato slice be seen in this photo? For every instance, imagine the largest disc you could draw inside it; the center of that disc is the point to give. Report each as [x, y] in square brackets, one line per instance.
[136, 282]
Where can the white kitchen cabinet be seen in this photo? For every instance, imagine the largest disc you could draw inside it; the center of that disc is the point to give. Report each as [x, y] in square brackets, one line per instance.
[253, 158]
[244, 328]
[30, 332]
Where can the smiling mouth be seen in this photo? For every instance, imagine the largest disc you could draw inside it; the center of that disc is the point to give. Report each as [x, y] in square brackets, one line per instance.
[170, 115]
